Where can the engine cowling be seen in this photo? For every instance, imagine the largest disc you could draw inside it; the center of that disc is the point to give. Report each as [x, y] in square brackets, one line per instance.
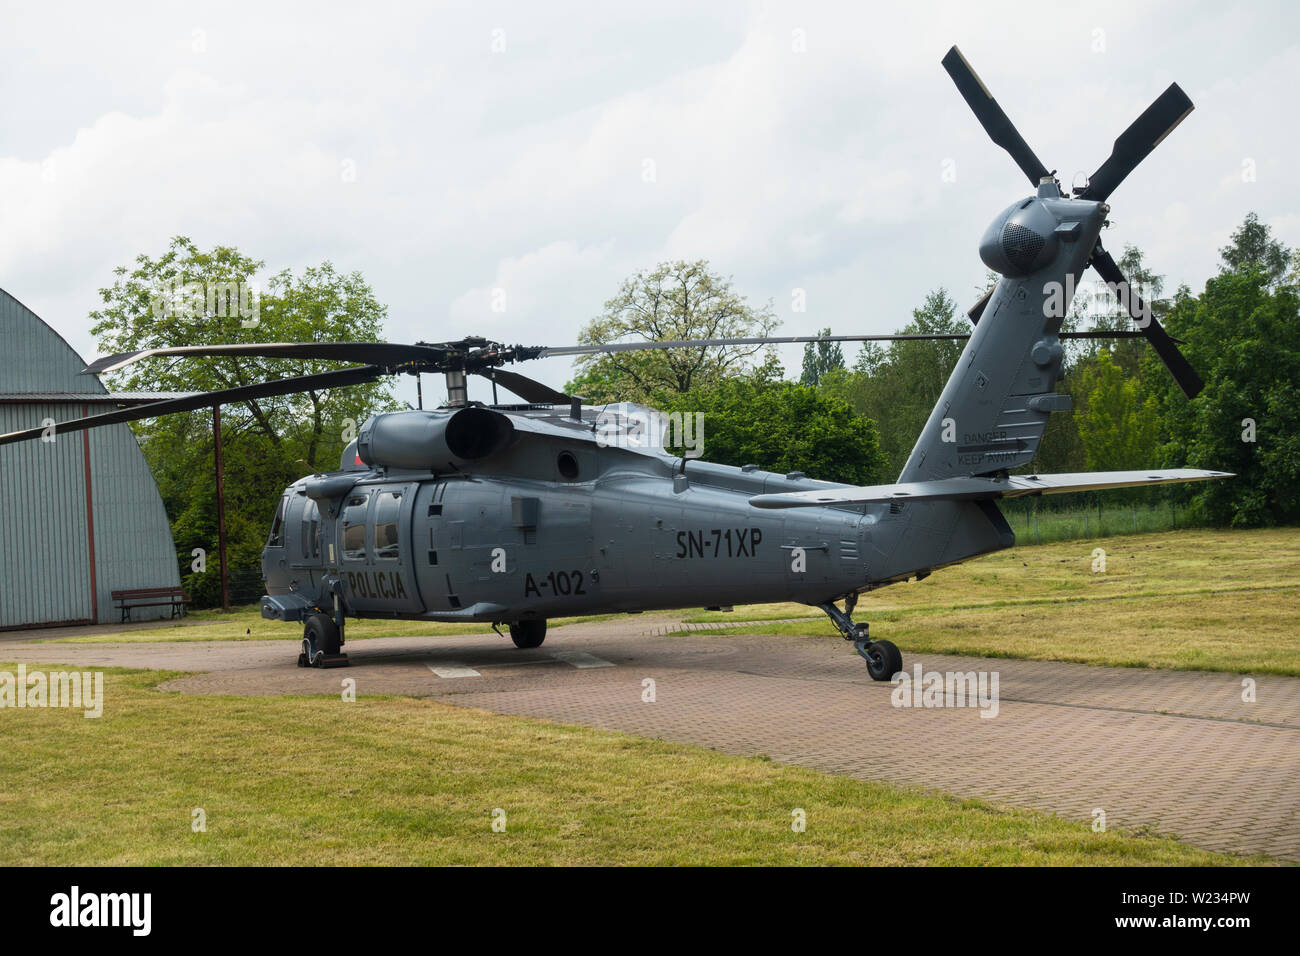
[434, 440]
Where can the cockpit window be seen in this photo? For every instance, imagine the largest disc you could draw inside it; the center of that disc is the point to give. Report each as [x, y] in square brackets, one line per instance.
[277, 526]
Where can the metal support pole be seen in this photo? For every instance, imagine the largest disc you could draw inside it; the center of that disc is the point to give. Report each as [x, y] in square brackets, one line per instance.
[221, 508]
[419, 392]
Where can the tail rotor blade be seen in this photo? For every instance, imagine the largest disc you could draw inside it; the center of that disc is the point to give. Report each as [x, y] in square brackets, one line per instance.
[976, 310]
[995, 122]
[1136, 143]
[1181, 369]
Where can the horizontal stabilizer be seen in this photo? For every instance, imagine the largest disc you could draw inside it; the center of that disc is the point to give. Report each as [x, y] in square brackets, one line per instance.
[970, 488]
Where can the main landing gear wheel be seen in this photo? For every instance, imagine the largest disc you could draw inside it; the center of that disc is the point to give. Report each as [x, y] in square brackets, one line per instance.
[527, 634]
[883, 658]
[320, 639]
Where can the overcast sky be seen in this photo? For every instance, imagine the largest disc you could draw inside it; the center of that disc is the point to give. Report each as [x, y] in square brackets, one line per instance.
[551, 149]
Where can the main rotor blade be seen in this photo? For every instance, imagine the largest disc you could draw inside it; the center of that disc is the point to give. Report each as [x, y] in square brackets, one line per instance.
[796, 340]
[529, 389]
[371, 353]
[1136, 143]
[995, 122]
[226, 396]
[1181, 369]
[757, 340]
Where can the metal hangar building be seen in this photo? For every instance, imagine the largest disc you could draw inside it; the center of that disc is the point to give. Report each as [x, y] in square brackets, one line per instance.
[80, 516]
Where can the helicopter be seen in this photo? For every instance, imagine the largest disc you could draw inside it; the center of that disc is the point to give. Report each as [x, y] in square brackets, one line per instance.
[513, 514]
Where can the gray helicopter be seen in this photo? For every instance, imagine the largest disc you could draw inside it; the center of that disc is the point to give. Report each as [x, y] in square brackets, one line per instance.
[514, 514]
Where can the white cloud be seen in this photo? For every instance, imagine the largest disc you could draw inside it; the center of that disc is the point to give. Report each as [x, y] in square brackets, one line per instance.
[523, 170]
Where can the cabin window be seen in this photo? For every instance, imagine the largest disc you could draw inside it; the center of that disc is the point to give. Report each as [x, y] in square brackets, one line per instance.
[354, 528]
[387, 507]
[277, 527]
[310, 530]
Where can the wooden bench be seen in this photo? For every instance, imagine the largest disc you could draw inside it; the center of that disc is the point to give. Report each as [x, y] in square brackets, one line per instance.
[151, 597]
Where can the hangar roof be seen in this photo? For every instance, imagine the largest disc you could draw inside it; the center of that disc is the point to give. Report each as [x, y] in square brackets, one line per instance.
[122, 398]
[35, 358]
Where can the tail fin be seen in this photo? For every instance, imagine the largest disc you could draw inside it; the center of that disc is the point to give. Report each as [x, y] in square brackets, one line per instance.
[992, 412]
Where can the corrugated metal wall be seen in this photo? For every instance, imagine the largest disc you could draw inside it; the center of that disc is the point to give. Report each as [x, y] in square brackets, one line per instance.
[45, 569]
[44, 552]
[133, 539]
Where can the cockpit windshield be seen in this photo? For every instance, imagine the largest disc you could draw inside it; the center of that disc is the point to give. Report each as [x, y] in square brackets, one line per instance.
[277, 526]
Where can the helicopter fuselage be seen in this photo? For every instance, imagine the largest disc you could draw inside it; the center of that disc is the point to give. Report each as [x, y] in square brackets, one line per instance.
[565, 521]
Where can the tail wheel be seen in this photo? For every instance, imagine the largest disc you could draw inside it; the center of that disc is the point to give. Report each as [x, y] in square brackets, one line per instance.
[322, 634]
[528, 633]
[884, 660]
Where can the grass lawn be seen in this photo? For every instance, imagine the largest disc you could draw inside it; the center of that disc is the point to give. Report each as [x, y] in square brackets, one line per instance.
[313, 780]
[1197, 600]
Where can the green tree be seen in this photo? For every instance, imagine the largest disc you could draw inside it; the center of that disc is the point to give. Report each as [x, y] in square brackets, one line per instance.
[784, 426]
[1119, 428]
[168, 302]
[190, 296]
[1244, 339]
[898, 386]
[675, 301]
[1252, 248]
[1243, 335]
[820, 358]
